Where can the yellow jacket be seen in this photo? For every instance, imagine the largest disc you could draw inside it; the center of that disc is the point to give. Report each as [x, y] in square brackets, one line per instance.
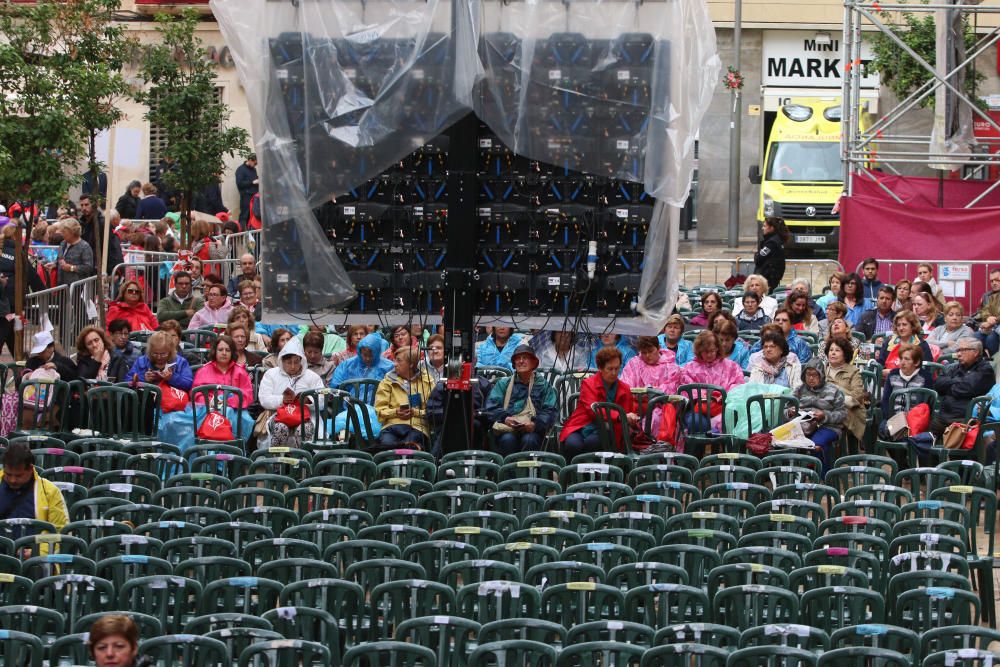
[49, 506]
[392, 393]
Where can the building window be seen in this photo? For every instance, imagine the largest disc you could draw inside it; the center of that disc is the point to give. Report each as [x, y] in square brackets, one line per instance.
[158, 139]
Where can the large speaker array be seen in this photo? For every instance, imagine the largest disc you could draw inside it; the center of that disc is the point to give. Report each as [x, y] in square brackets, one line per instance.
[585, 101]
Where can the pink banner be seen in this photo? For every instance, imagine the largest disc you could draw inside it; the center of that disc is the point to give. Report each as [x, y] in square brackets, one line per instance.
[874, 224]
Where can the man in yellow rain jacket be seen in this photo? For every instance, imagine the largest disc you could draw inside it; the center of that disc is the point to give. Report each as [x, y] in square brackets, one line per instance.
[25, 495]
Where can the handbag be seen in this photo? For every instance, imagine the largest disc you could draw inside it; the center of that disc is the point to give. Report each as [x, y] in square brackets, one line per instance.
[173, 399]
[291, 416]
[668, 424]
[897, 426]
[961, 436]
[215, 426]
[760, 444]
[918, 418]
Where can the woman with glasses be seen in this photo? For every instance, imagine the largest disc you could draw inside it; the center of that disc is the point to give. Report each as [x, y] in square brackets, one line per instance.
[216, 310]
[132, 308]
[775, 363]
[906, 330]
[850, 296]
[401, 339]
[94, 360]
[434, 362]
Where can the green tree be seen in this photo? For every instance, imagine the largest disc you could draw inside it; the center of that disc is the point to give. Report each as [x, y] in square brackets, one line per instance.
[180, 96]
[897, 70]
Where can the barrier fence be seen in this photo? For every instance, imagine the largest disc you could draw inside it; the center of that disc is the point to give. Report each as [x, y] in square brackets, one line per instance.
[962, 281]
[694, 271]
[155, 276]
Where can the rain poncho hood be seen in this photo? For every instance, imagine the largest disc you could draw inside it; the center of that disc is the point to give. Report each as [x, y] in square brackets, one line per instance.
[293, 346]
[815, 365]
[355, 367]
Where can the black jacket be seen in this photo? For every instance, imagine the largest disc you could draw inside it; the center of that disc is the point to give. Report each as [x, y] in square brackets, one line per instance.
[866, 323]
[126, 206]
[118, 368]
[209, 200]
[769, 260]
[956, 385]
[64, 366]
[245, 177]
[94, 237]
[33, 282]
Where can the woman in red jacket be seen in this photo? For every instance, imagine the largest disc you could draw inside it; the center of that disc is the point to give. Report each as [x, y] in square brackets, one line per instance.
[579, 434]
[132, 308]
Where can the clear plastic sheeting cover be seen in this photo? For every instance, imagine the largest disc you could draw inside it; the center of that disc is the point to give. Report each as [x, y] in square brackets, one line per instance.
[340, 90]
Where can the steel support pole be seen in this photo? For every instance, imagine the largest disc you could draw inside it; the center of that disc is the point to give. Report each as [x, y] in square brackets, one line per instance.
[735, 127]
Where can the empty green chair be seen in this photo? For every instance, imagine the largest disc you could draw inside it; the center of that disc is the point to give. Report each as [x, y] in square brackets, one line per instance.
[835, 607]
[170, 599]
[285, 653]
[772, 656]
[343, 600]
[590, 504]
[524, 555]
[389, 654]
[967, 658]
[375, 571]
[751, 605]
[818, 576]
[711, 634]
[696, 560]
[265, 550]
[246, 595]
[866, 562]
[51, 564]
[476, 571]
[927, 608]
[200, 625]
[21, 648]
[957, 637]
[513, 652]
[448, 502]
[306, 623]
[498, 600]
[184, 548]
[892, 637]
[287, 570]
[447, 636]
[613, 631]
[662, 605]
[395, 601]
[745, 574]
[581, 601]
[344, 554]
[119, 569]
[605, 654]
[501, 522]
[862, 656]
[72, 595]
[786, 634]
[684, 655]
[46, 624]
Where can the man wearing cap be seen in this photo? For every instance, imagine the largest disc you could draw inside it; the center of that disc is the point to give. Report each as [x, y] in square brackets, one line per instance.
[25, 495]
[248, 184]
[521, 407]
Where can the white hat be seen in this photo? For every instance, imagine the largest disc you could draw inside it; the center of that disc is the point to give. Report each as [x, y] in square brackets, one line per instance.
[40, 341]
[3, 209]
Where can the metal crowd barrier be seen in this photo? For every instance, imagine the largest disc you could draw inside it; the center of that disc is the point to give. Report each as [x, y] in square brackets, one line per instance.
[82, 310]
[51, 304]
[967, 289]
[694, 271]
[243, 242]
[157, 285]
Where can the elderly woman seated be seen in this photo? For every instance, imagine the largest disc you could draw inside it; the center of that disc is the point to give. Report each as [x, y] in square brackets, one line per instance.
[401, 401]
[579, 434]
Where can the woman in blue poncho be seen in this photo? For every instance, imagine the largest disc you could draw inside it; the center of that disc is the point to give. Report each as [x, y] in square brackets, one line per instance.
[369, 364]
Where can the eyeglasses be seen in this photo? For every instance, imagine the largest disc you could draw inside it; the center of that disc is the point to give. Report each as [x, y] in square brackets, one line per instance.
[966, 349]
[436, 348]
[132, 291]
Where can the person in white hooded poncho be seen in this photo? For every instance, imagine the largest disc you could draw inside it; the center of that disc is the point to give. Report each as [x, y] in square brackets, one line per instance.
[282, 385]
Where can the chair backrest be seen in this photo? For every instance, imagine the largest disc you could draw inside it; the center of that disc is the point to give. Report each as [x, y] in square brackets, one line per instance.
[215, 398]
[773, 410]
[607, 415]
[113, 410]
[41, 405]
[361, 389]
[149, 398]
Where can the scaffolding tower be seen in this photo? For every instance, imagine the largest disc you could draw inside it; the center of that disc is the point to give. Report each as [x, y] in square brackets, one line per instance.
[884, 143]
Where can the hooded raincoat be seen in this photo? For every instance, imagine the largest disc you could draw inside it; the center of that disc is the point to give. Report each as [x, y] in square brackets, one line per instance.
[665, 375]
[355, 368]
[826, 397]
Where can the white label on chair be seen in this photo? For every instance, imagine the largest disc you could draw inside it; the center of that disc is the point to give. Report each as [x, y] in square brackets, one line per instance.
[441, 620]
[863, 503]
[615, 625]
[930, 538]
[134, 539]
[121, 488]
[600, 468]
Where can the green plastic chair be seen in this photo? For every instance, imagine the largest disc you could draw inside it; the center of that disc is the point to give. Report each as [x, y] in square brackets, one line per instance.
[305, 623]
[114, 411]
[927, 608]
[41, 407]
[498, 600]
[321, 534]
[710, 634]
[819, 576]
[200, 625]
[239, 533]
[120, 569]
[889, 637]
[375, 571]
[970, 658]
[271, 549]
[343, 554]
[904, 400]
[395, 601]
[477, 571]
[46, 624]
[792, 635]
[590, 504]
[21, 648]
[982, 512]
[604, 654]
[971, 472]
[696, 560]
[657, 505]
[862, 656]
[171, 600]
[14, 589]
[513, 652]
[238, 639]
[529, 629]
[38, 567]
[344, 600]
[500, 522]
[663, 605]
[683, 655]
[956, 637]
[518, 503]
[772, 656]
[449, 502]
[448, 636]
[611, 631]
[285, 653]
[744, 574]
[339, 463]
[71, 649]
[287, 570]
[351, 519]
[744, 607]
[577, 602]
[835, 607]
[72, 595]
[88, 530]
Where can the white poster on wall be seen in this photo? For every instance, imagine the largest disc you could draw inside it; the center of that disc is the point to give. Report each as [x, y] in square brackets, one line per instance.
[806, 58]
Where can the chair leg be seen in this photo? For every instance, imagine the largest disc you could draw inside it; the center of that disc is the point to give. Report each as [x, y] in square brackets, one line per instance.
[984, 569]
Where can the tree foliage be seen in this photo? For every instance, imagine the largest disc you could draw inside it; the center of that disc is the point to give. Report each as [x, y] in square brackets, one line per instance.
[180, 96]
[897, 70]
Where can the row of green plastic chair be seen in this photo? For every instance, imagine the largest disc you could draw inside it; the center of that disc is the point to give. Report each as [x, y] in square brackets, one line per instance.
[61, 601]
[208, 651]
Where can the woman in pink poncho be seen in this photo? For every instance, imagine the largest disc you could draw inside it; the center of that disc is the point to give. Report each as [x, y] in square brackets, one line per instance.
[708, 367]
[652, 368]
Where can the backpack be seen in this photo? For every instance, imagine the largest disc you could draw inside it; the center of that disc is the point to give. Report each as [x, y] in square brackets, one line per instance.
[255, 221]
